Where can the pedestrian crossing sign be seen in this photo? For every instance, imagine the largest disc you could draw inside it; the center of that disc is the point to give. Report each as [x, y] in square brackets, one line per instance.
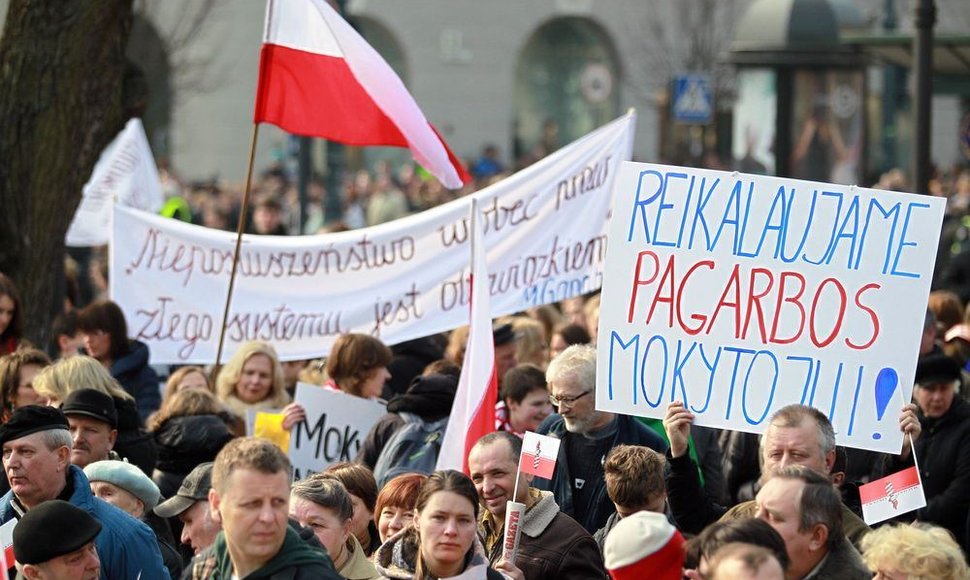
[693, 99]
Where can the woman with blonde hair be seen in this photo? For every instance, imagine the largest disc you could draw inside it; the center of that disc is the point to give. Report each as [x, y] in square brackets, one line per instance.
[57, 381]
[190, 428]
[252, 379]
[916, 552]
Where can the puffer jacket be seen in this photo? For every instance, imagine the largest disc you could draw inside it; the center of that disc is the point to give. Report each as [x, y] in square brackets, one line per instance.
[183, 443]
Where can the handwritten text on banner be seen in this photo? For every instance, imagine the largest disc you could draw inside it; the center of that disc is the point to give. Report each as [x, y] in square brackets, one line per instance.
[740, 294]
[545, 233]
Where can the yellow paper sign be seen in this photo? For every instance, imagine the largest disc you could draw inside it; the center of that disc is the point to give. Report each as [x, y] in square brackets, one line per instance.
[270, 426]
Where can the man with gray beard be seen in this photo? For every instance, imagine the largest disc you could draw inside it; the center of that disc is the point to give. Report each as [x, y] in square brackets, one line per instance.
[587, 436]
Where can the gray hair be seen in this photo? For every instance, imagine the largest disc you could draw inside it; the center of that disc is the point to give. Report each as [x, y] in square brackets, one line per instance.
[577, 362]
[793, 416]
[56, 438]
[327, 492]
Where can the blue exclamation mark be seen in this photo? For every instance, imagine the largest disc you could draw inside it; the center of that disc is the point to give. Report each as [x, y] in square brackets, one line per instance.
[886, 382]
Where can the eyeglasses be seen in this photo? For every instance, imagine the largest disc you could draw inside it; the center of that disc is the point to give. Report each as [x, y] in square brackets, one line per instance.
[568, 401]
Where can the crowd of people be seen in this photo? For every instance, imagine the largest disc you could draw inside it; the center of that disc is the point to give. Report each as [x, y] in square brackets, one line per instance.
[118, 469]
[112, 474]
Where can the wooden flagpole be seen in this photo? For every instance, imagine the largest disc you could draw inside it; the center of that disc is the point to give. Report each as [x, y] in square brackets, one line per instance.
[243, 210]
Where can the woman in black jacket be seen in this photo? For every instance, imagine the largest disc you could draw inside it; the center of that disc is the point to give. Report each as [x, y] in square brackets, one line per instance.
[190, 429]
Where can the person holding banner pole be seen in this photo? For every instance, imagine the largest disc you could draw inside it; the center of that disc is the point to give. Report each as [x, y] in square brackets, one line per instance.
[551, 545]
[943, 449]
[796, 435]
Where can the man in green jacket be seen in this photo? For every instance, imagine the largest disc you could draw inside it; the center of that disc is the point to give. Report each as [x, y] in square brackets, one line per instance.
[250, 496]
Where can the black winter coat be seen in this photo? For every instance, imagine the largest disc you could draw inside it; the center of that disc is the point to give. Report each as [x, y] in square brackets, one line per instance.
[943, 453]
[139, 379]
[183, 443]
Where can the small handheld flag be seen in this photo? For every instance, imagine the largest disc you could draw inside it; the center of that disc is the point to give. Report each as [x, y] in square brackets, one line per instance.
[891, 496]
[539, 453]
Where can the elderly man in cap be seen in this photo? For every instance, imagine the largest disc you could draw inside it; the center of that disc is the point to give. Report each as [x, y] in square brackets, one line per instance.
[943, 449]
[191, 505]
[55, 541]
[126, 487]
[36, 444]
[94, 425]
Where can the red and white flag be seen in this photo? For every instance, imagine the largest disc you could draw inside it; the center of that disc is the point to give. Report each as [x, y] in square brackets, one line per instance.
[473, 413]
[539, 454]
[318, 77]
[891, 496]
[7, 559]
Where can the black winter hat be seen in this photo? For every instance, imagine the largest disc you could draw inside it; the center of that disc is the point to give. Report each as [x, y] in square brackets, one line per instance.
[92, 403]
[32, 419]
[52, 529]
[938, 368]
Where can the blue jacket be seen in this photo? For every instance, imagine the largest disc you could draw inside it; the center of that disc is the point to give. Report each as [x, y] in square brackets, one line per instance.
[126, 546]
[139, 379]
[629, 431]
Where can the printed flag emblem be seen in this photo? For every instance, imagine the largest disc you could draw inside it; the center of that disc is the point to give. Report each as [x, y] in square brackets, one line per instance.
[891, 496]
[539, 454]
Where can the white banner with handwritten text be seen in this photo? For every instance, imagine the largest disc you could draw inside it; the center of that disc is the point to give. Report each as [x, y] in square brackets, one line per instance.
[545, 233]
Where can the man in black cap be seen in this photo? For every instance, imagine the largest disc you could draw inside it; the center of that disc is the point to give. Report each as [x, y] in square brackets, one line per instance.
[94, 426]
[943, 447]
[36, 443]
[55, 541]
[191, 505]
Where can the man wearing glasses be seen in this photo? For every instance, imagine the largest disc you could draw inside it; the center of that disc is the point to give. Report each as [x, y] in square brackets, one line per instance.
[587, 436]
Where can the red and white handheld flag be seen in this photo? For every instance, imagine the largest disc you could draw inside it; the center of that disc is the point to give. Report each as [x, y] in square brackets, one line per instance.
[7, 559]
[539, 453]
[473, 413]
[891, 496]
[318, 77]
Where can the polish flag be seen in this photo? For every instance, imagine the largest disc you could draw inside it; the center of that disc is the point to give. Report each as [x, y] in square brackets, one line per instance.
[539, 454]
[473, 413]
[891, 496]
[7, 559]
[318, 77]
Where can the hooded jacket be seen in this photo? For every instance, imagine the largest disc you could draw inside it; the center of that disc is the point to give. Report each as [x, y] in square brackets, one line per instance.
[296, 560]
[139, 379]
[429, 397]
[126, 546]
